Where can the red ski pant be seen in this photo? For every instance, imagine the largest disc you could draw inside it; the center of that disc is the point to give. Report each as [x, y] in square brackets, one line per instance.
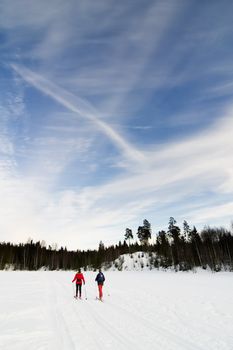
[100, 286]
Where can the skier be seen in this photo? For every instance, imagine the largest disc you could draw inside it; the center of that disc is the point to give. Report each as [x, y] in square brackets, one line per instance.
[100, 281]
[79, 278]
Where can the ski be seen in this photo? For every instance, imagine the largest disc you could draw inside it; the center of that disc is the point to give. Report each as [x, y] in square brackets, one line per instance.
[79, 298]
[96, 298]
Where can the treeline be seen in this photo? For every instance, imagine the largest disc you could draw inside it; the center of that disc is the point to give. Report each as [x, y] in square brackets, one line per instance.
[211, 248]
[184, 249]
[35, 256]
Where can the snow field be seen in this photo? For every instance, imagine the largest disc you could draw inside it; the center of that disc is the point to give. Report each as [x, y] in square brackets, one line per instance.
[141, 310]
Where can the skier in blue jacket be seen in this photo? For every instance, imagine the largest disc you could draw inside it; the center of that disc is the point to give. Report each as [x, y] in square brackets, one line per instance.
[100, 282]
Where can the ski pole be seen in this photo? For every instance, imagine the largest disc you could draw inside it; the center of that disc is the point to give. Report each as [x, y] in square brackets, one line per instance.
[107, 292]
[85, 291]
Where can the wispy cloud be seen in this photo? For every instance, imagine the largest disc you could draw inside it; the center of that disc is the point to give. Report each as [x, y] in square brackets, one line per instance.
[82, 108]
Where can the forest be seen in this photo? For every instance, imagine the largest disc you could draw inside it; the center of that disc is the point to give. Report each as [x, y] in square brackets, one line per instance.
[180, 249]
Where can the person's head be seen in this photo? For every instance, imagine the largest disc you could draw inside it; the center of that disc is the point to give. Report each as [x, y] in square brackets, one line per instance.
[100, 270]
[79, 270]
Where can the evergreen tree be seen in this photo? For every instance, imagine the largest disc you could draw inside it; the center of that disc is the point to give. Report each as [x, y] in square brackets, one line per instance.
[144, 232]
[128, 236]
[186, 230]
[196, 245]
[164, 249]
[174, 233]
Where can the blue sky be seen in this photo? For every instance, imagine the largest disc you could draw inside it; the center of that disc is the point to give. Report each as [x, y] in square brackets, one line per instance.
[112, 112]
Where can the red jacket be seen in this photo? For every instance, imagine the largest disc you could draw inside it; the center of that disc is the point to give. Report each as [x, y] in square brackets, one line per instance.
[79, 278]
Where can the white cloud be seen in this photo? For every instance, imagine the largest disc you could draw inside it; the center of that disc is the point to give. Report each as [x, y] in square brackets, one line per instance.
[81, 107]
[213, 214]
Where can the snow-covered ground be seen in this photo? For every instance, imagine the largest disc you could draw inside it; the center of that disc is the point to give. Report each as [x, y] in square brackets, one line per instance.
[141, 310]
[133, 262]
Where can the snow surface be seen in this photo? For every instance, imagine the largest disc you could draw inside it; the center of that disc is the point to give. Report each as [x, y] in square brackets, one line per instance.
[141, 310]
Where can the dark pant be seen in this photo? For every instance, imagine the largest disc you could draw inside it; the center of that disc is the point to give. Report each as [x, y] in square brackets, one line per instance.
[78, 289]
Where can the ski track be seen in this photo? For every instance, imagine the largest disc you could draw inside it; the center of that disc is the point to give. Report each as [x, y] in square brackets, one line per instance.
[171, 338]
[79, 322]
[122, 341]
[99, 328]
[61, 337]
[89, 318]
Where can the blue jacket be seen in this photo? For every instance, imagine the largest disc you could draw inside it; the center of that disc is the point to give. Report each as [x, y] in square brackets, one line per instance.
[100, 278]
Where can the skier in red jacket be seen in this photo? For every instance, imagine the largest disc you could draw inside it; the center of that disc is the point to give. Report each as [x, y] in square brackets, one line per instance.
[79, 278]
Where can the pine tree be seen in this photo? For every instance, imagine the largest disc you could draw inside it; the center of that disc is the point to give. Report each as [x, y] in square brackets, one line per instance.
[128, 236]
[186, 230]
[144, 232]
[174, 233]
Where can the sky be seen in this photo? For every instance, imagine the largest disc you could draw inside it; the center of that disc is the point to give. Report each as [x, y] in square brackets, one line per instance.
[112, 113]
